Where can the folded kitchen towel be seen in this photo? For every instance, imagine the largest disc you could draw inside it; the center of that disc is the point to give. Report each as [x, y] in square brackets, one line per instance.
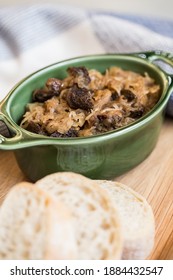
[33, 36]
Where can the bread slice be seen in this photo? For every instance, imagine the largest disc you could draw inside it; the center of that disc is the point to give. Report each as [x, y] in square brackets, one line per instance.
[97, 226]
[34, 226]
[136, 217]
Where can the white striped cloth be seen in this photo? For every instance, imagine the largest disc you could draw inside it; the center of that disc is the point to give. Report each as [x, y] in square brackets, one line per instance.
[33, 36]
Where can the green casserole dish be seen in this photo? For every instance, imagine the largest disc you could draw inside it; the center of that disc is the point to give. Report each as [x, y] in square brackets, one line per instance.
[103, 156]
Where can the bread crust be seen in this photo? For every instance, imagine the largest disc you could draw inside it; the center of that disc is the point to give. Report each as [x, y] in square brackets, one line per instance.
[137, 219]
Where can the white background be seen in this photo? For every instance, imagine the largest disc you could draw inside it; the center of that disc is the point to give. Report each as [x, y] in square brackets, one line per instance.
[156, 8]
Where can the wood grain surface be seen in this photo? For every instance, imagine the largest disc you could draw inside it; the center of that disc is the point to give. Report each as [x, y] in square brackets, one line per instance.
[153, 178]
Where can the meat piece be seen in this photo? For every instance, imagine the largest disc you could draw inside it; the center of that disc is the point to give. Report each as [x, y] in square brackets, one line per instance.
[80, 75]
[35, 128]
[114, 96]
[52, 88]
[41, 95]
[105, 121]
[128, 94]
[79, 98]
[54, 85]
[136, 114]
[109, 120]
[71, 133]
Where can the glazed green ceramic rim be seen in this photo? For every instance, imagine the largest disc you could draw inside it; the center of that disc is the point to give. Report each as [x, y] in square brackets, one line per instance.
[31, 139]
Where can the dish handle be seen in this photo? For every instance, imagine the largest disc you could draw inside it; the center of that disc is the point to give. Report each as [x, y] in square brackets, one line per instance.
[9, 134]
[13, 138]
[153, 56]
[167, 63]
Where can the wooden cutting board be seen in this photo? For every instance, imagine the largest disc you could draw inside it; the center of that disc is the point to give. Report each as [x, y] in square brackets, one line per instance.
[153, 178]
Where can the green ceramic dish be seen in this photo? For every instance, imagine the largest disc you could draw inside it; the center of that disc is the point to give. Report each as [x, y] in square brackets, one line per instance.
[102, 157]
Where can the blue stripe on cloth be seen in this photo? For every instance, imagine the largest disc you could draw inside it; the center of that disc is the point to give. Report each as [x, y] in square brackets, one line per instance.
[163, 27]
[160, 26]
[23, 27]
[121, 35]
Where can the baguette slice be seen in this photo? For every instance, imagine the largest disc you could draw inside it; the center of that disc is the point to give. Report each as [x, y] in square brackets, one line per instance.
[34, 226]
[136, 217]
[97, 226]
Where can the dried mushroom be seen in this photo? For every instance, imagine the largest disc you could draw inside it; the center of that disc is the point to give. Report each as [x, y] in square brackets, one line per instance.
[80, 75]
[52, 88]
[79, 98]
